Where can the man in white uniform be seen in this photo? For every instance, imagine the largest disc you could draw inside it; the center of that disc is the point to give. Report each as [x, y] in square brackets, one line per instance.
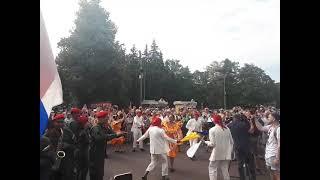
[137, 130]
[222, 143]
[159, 147]
[194, 125]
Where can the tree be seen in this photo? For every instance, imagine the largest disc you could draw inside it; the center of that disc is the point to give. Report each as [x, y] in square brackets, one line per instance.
[255, 85]
[90, 57]
[94, 67]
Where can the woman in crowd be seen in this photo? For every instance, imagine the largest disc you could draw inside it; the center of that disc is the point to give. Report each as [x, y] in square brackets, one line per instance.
[116, 125]
[173, 130]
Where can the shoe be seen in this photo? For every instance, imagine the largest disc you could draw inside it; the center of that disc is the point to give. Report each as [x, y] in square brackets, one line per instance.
[172, 170]
[144, 178]
[142, 150]
[133, 150]
[165, 178]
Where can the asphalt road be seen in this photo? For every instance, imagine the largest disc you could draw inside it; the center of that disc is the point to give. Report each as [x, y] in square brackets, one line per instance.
[136, 162]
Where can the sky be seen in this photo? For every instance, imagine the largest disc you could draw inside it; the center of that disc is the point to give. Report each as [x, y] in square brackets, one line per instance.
[196, 32]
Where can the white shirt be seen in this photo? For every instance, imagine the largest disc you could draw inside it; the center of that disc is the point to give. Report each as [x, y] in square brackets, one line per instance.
[137, 123]
[158, 140]
[272, 143]
[194, 125]
[222, 143]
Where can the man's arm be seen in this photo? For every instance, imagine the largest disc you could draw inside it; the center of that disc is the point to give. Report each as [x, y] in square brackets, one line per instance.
[260, 127]
[111, 134]
[167, 137]
[278, 139]
[144, 136]
[188, 126]
[251, 130]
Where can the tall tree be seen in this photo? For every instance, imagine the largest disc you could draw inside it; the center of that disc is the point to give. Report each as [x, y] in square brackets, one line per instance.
[89, 56]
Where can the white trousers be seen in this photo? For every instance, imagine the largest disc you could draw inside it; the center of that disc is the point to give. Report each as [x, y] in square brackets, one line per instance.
[136, 135]
[193, 141]
[213, 169]
[155, 160]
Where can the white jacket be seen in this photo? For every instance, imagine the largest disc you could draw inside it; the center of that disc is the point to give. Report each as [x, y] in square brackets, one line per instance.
[194, 125]
[137, 124]
[222, 143]
[158, 140]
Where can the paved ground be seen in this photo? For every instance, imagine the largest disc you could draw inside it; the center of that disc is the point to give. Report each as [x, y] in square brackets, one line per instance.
[136, 162]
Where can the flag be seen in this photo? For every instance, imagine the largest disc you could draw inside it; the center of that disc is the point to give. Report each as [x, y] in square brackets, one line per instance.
[50, 84]
[190, 136]
[194, 148]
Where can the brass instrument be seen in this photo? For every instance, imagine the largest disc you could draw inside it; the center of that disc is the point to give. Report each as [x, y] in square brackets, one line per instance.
[60, 154]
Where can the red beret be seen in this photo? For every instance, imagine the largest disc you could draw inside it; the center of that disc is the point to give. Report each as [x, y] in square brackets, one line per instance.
[216, 118]
[75, 110]
[58, 116]
[102, 114]
[83, 119]
[156, 121]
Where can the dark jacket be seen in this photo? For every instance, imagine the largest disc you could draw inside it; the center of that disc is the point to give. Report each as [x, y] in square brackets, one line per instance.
[239, 130]
[99, 135]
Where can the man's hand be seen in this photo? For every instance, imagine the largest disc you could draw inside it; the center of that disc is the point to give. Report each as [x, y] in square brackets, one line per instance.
[119, 133]
[137, 141]
[178, 141]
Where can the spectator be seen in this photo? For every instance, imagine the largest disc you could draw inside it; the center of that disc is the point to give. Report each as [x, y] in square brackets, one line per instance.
[272, 152]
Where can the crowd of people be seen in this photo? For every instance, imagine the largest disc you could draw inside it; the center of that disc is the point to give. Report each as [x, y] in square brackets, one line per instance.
[75, 141]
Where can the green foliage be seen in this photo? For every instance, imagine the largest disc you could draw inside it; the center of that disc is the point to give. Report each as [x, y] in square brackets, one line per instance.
[93, 67]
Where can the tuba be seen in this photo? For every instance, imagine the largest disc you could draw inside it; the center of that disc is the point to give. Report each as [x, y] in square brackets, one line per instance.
[60, 154]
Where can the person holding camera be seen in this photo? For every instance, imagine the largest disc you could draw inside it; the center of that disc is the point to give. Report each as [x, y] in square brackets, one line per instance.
[240, 129]
[272, 152]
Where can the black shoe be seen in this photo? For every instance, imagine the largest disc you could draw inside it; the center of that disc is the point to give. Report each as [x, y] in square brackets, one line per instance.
[172, 170]
[144, 177]
[142, 150]
[133, 150]
[165, 178]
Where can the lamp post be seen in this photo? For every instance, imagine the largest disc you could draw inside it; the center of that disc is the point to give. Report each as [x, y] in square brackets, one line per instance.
[224, 92]
[141, 77]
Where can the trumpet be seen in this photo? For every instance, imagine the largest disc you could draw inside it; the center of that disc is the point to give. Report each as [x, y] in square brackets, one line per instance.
[60, 154]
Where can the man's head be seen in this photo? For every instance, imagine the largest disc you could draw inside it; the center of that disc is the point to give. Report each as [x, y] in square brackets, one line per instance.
[75, 113]
[206, 110]
[237, 117]
[273, 118]
[58, 120]
[102, 117]
[83, 120]
[196, 115]
[138, 112]
[156, 121]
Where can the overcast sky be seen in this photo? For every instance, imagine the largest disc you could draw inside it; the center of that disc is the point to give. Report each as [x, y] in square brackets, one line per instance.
[196, 32]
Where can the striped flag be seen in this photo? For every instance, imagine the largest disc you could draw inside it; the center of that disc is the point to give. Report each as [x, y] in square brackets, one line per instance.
[50, 84]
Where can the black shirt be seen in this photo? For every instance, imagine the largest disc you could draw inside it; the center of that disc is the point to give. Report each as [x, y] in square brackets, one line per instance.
[239, 131]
